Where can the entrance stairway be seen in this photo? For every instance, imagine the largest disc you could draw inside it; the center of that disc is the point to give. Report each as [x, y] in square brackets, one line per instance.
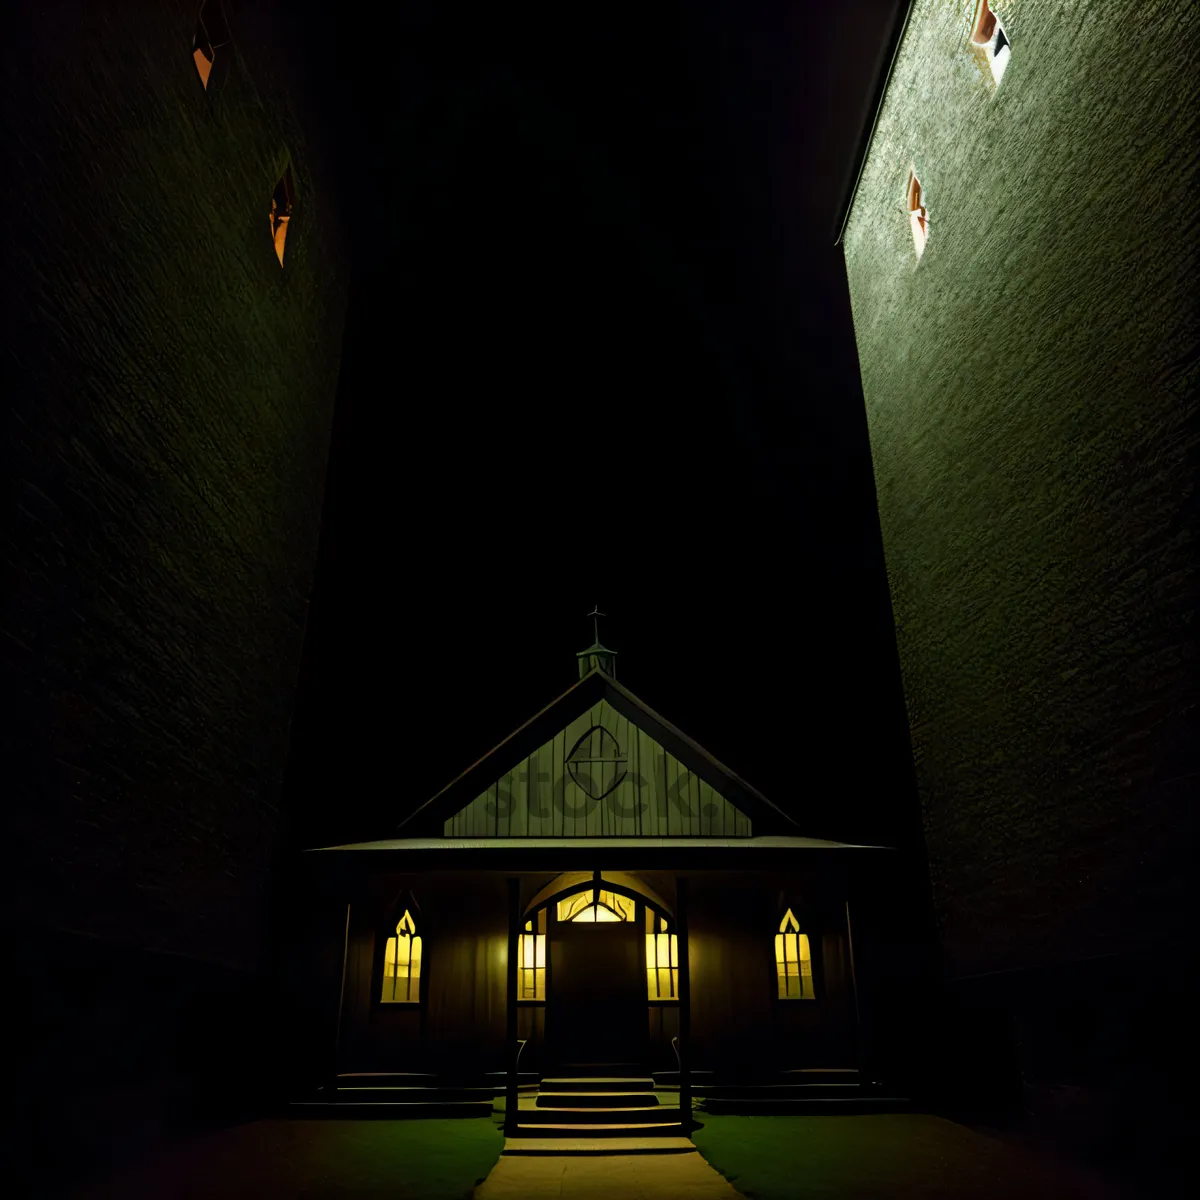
[599, 1108]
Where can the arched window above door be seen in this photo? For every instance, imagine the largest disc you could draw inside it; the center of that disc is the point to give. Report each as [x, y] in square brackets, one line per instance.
[610, 906]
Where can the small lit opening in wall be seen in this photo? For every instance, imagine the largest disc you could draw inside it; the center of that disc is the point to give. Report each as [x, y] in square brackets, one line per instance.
[918, 213]
[212, 35]
[281, 212]
[988, 35]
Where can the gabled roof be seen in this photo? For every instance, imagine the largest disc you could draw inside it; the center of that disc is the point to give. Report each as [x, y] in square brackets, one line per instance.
[596, 686]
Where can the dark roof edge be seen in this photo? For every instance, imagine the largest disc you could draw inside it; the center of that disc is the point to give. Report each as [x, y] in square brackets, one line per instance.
[594, 686]
[883, 81]
[751, 792]
[484, 844]
[559, 699]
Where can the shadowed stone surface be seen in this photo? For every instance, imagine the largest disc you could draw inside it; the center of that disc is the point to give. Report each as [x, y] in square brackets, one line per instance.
[1031, 394]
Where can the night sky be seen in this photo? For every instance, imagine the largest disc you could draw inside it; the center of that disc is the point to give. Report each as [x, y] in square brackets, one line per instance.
[599, 351]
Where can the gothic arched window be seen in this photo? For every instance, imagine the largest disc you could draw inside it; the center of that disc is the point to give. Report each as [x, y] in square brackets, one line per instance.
[662, 958]
[402, 964]
[793, 961]
[531, 959]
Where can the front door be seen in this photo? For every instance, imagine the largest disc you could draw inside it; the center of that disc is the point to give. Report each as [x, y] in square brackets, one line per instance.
[597, 1003]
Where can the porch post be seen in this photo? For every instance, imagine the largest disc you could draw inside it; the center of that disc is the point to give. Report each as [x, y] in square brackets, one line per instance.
[859, 1032]
[337, 1040]
[685, 1006]
[514, 933]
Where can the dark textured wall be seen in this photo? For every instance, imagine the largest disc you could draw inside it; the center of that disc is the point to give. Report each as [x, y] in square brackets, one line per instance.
[169, 391]
[1030, 388]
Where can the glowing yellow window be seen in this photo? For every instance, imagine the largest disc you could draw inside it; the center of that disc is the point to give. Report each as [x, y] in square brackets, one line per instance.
[793, 962]
[662, 959]
[531, 956]
[612, 907]
[402, 964]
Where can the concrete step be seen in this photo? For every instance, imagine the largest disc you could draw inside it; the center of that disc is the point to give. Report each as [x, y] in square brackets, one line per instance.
[615, 1130]
[777, 1091]
[605, 1070]
[584, 1116]
[805, 1076]
[598, 1146]
[412, 1095]
[597, 1083]
[385, 1079]
[548, 1099]
[369, 1110]
[818, 1106]
[489, 1079]
[822, 1074]
[671, 1078]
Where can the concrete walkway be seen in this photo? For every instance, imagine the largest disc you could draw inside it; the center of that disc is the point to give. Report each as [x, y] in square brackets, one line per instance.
[630, 1176]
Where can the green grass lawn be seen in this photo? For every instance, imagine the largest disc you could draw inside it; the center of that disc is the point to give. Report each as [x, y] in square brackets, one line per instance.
[313, 1160]
[903, 1156]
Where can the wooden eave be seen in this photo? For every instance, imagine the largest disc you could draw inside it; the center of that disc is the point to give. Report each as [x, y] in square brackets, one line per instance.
[429, 819]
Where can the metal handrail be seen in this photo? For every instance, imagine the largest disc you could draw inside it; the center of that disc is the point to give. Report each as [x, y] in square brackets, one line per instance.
[678, 1060]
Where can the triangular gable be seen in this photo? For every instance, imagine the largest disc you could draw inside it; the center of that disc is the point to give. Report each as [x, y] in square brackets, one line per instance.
[597, 762]
[619, 782]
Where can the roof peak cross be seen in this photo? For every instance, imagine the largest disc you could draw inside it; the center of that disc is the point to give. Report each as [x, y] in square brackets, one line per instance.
[596, 614]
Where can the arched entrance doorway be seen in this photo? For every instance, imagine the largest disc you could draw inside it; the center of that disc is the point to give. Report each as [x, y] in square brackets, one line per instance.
[597, 932]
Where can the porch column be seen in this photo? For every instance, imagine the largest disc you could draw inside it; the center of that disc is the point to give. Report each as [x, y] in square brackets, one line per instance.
[336, 1057]
[860, 1033]
[685, 1006]
[514, 933]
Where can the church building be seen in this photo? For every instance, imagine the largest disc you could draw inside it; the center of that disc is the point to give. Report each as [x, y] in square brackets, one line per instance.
[595, 897]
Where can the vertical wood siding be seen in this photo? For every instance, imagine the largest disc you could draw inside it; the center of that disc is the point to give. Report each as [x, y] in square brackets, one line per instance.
[657, 797]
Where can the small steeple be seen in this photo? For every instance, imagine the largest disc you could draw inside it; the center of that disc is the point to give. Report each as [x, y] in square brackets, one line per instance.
[597, 655]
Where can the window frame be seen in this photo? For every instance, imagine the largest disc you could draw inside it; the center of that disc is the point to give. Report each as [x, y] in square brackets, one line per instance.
[913, 181]
[671, 931]
[407, 903]
[534, 918]
[282, 222]
[202, 28]
[809, 926]
[987, 48]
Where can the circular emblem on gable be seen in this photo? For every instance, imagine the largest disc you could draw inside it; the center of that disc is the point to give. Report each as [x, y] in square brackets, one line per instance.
[596, 763]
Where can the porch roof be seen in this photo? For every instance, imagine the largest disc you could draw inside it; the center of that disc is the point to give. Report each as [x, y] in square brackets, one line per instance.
[423, 845]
